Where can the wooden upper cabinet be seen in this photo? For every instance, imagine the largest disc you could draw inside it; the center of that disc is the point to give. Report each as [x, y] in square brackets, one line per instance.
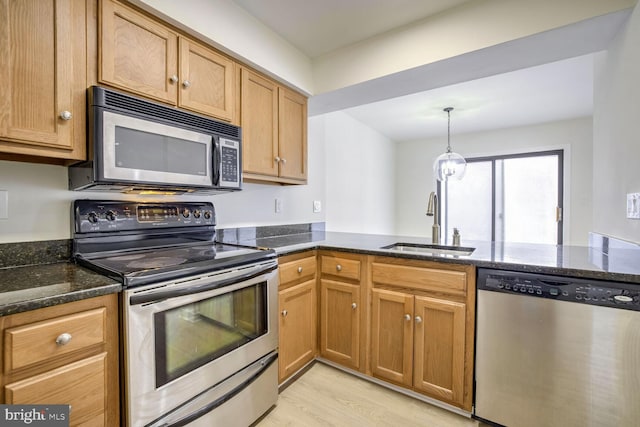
[259, 121]
[137, 54]
[206, 84]
[274, 130]
[43, 68]
[143, 56]
[292, 121]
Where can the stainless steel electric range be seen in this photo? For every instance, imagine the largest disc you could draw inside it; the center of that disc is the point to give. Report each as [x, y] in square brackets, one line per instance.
[199, 318]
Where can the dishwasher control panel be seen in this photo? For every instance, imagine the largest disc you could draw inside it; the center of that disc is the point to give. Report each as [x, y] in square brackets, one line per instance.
[585, 291]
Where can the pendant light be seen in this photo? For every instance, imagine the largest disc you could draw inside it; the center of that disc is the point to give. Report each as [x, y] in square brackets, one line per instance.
[449, 165]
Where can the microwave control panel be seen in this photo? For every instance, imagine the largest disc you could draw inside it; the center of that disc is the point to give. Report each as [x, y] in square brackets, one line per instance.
[93, 216]
[229, 163]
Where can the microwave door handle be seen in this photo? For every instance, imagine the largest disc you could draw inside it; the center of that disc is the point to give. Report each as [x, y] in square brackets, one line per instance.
[217, 159]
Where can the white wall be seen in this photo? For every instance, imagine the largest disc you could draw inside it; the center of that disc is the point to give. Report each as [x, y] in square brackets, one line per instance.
[414, 173]
[616, 133]
[360, 172]
[40, 204]
[470, 27]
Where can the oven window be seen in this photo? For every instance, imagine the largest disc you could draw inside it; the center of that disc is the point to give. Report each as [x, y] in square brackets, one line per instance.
[192, 335]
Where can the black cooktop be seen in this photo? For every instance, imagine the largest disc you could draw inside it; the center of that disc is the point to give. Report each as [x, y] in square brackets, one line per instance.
[142, 243]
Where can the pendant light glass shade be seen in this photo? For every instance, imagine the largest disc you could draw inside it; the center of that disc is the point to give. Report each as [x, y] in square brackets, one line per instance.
[449, 165]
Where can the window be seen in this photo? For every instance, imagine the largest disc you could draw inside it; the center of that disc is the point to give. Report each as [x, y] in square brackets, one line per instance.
[512, 198]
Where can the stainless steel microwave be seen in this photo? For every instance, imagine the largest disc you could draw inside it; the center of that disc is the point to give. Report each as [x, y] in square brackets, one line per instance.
[138, 146]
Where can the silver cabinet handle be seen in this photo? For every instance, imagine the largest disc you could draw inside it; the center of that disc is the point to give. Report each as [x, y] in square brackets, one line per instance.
[407, 317]
[186, 84]
[418, 319]
[299, 269]
[339, 267]
[277, 159]
[354, 305]
[66, 115]
[63, 339]
[283, 160]
[173, 79]
[284, 313]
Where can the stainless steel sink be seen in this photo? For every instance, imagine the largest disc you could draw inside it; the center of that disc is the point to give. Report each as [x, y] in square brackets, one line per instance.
[430, 249]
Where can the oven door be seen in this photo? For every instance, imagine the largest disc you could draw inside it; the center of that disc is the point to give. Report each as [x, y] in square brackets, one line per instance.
[185, 337]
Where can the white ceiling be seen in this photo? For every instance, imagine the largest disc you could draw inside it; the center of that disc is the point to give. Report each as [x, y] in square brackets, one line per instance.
[320, 26]
[557, 90]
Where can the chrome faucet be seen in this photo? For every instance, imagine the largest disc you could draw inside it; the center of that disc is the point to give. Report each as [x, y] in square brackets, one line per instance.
[432, 210]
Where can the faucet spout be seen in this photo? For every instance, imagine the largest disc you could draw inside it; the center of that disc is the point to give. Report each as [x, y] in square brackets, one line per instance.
[432, 210]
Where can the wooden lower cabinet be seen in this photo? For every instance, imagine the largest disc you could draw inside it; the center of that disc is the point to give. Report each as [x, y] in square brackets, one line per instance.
[343, 309]
[421, 331]
[298, 320]
[340, 322]
[297, 327]
[65, 354]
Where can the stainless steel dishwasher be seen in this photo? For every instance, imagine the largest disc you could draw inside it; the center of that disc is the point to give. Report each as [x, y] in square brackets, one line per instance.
[556, 351]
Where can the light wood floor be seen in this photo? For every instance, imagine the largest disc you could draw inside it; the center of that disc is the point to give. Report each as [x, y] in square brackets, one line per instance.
[325, 396]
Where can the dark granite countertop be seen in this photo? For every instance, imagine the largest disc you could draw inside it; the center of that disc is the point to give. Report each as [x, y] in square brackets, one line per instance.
[30, 287]
[38, 274]
[576, 261]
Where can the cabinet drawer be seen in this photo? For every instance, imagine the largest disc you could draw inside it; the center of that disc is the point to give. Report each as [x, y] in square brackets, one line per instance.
[299, 269]
[429, 279]
[36, 342]
[81, 384]
[341, 267]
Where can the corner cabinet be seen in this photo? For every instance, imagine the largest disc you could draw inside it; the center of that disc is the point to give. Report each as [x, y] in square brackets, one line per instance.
[66, 354]
[422, 327]
[343, 303]
[298, 319]
[44, 73]
[143, 56]
[274, 130]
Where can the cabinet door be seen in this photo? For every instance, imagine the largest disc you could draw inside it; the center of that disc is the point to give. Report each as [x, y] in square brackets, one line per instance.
[292, 134]
[392, 336]
[82, 384]
[340, 323]
[206, 81]
[439, 348]
[297, 337]
[259, 121]
[137, 54]
[43, 69]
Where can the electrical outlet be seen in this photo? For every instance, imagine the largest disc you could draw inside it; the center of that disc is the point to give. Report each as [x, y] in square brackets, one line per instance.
[4, 204]
[317, 206]
[633, 205]
[278, 205]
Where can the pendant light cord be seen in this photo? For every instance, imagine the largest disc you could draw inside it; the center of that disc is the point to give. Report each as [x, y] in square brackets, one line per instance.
[448, 110]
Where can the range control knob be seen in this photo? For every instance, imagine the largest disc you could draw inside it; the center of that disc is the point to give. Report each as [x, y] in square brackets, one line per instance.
[196, 213]
[186, 213]
[207, 215]
[92, 217]
[111, 216]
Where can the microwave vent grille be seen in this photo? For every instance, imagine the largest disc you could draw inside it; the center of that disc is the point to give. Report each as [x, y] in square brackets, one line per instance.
[125, 102]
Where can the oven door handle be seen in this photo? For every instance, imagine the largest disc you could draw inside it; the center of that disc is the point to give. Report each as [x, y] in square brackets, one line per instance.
[173, 293]
[222, 399]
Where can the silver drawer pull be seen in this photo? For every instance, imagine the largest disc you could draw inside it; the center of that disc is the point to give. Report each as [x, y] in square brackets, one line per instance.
[418, 319]
[63, 339]
[339, 267]
[186, 84]
[299, 269]
[284, 313]
[66, 115]
[407, 317]
[354, 305]
[173, 79]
